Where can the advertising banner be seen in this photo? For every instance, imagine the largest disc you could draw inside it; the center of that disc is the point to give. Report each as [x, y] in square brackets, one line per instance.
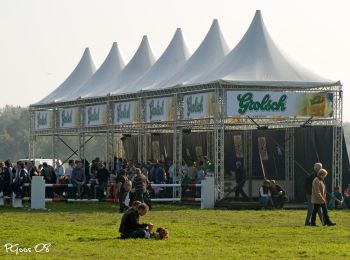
[289, 104]
[95, 115]
[43, 119]
[69, 117]
[238, 146]
[160, 109]
[199, 105]
[126, 112]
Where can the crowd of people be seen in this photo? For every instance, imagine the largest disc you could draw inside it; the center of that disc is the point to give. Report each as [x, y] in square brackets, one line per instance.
[128, 181]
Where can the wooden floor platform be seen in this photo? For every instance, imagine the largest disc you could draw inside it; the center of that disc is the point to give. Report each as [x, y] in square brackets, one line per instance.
[254, 205]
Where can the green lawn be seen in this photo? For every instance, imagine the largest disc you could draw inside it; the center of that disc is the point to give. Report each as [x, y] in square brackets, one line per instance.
[89, 231]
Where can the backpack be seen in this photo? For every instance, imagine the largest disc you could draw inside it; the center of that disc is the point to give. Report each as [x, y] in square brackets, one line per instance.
[127, 185]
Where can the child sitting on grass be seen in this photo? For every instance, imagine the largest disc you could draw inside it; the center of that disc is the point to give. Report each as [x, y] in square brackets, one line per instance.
[160, 234]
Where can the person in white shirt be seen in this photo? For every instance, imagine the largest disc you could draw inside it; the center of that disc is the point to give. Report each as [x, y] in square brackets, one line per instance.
[59, 171]
[69, 170]
[265, 195]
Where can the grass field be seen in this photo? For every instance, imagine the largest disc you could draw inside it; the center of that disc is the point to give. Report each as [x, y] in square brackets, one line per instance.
[89, 231]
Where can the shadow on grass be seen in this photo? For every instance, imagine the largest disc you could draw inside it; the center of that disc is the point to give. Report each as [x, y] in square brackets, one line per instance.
[89, 207]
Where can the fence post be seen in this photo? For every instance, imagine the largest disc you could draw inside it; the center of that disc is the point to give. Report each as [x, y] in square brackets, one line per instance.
[2, 202]
[16, 203]
[208, 193]
[38, 193]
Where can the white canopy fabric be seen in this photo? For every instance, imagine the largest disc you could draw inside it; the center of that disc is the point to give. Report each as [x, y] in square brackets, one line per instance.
[80, 75]
[209, 54]
[142, 60]
[111, 66]
[172, 59]
[257, 60]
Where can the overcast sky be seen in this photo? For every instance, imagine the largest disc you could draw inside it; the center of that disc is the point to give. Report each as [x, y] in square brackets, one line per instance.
[42, 40]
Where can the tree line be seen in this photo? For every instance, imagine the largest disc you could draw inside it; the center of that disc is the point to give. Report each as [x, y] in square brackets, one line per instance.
[14, 139]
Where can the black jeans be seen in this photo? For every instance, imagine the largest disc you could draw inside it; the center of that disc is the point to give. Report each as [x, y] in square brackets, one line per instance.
[239, 190]
[324, 212]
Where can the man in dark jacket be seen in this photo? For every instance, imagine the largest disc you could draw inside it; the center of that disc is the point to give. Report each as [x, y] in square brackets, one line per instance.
[240, 180]
[6, 179]
[20, 178]
[50, 178]
[78, 180]
[102, 177]
[130, 226]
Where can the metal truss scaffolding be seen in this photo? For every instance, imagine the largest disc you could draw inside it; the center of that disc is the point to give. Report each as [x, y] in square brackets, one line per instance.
[32, 136]
[219, 144]
[337, 159]
[247, 149]
[289, 161]
[214, 126]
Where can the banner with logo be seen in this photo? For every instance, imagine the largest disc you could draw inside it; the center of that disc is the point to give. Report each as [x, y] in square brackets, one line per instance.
[69, 117]
[160, 109]
[95, 115]
[199, 105]
[264, 103]
[238, 146]
[43, 119]
[126, 112]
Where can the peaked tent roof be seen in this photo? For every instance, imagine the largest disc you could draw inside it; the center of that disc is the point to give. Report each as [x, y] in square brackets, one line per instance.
[172, 59]
[111, 66]
[82, 72]
[142, 60]
[209, 54]
[257, 60]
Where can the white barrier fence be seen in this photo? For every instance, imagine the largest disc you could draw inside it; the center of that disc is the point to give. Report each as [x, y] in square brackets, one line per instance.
[38, 199]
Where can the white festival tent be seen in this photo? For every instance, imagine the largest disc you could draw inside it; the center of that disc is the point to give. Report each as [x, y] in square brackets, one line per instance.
[172, 59]
[210, 53]
[112, 65]
[142, 60]
[257, 61]
[80, 75]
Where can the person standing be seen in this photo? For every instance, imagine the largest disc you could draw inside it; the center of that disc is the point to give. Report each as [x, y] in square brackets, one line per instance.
[102, 177]
[122, 192]
[21, 177]
[140, 185]
[50, 178]
[308, 190]
[78, 180]
[318, 198]
[240, 181]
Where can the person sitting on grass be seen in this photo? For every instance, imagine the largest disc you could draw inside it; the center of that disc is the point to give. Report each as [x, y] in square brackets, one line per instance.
[160, 234]
[336, 199]
[347, 197]
[130, 226]
[278, 194]
[265, 195]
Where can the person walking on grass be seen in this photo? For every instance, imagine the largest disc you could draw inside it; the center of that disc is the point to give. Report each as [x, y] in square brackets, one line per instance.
[308, 190]
[318, 198]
